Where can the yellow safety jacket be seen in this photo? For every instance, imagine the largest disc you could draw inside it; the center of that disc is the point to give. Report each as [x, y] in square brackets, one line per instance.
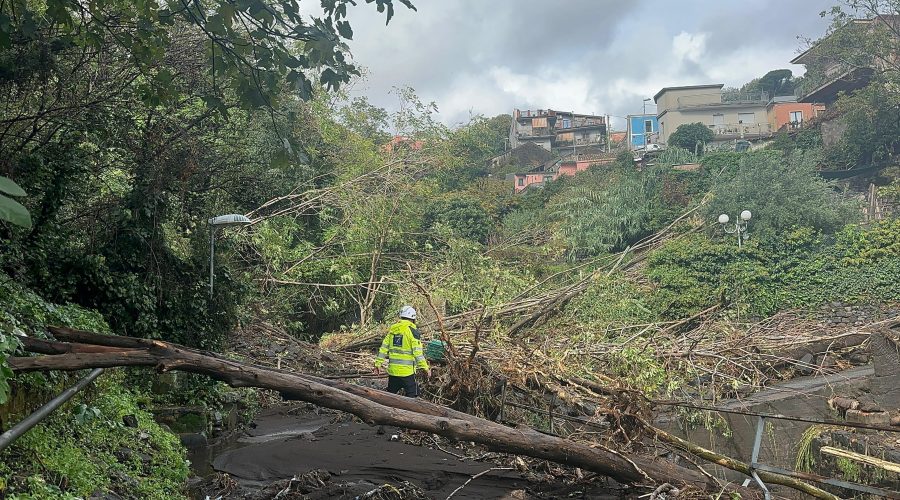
[401, 349]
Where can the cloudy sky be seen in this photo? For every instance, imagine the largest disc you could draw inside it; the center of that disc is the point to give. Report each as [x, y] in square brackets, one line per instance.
[596, 56]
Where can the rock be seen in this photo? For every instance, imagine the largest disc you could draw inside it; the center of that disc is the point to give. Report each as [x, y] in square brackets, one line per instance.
[806, 363]
[859, 358]
[130, 421]
[895, 421]
[182, 419]
[193, 440]
[868, 418]
[123, 455]
[825, 362]
[515, 495]
[164, 383]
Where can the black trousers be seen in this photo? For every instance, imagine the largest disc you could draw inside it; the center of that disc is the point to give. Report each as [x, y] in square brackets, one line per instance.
[408, 384]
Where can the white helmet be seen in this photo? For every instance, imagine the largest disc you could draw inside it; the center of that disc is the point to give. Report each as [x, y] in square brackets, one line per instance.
[408, 312]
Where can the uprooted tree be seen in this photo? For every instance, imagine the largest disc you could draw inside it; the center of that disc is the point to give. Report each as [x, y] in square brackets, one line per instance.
[76, 350]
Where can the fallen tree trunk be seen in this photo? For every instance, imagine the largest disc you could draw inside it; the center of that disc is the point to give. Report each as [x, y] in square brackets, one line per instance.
[374, 407]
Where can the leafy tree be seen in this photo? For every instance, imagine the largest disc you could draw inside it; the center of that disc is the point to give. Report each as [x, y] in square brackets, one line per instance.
[367, 120]
[11, 210]
[688, 135]
[782, 193]
[198, 110]
[257, 48]
[774, 83]
[465, 217]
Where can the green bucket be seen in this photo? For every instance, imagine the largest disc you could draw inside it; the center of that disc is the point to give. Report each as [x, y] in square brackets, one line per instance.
[435, 350]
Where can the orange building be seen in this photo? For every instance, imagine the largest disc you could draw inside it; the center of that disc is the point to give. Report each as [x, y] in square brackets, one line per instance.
[786, 112]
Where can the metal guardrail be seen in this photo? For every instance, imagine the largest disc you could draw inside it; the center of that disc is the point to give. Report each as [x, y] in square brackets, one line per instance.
[755, 465]
[8, 437]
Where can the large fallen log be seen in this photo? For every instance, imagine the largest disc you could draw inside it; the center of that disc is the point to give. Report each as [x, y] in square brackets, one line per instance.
[372, 406]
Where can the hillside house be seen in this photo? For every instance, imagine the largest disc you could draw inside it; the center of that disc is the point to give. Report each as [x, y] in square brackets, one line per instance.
[784, 112]
[400, 143]
[829, 73]
[562, 167]
[528, 155]
[558, 130]
[641, 130]
[730, 115]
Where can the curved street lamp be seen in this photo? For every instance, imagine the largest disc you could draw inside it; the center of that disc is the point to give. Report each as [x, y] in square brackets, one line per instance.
[220, 221]
[740, 225]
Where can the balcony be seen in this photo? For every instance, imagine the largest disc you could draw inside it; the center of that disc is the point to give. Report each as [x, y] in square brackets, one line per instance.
[726, 131]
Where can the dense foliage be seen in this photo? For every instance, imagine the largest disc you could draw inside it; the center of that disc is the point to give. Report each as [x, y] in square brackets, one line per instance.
[84, 447]
[781, 192]
[691, 136]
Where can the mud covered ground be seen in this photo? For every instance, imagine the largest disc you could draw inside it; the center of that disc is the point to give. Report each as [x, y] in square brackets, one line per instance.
[296, 452]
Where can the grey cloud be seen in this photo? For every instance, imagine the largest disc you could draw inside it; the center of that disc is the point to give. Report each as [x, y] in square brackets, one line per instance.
[449, 48]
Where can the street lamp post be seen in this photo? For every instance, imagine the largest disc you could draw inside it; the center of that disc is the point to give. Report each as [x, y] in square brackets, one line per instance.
[643, 118]
[740, 225]
[220, 221]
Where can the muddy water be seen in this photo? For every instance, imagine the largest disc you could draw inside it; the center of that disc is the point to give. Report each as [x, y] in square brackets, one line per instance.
[282, 445]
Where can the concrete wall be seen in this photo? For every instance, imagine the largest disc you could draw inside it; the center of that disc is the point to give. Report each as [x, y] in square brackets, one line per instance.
[669, 98]
[779, 114]
[832, 130]
[727, 127]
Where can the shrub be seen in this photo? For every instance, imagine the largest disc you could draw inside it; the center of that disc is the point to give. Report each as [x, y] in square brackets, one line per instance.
[782, 193]
[687, 136]
[465, 217]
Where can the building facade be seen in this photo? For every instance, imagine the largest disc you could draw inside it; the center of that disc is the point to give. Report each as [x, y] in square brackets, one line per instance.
[730, 115]
[557, 169]
[784, 112]
[642, 130]
[558, 130]
[828, 74]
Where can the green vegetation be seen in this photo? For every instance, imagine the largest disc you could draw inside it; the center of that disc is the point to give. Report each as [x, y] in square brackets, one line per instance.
[357, 210]
[85, 446]
[690, 136]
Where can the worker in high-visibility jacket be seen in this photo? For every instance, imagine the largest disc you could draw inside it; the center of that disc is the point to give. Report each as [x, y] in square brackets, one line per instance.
[401, 354]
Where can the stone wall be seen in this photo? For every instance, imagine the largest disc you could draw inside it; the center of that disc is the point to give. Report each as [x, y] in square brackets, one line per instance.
[840, 313]
[832, 130]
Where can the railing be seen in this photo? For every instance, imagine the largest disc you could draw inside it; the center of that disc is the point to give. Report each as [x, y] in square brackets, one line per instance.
[713, 99]
[732, 130]
[579, 141]
[531, 113]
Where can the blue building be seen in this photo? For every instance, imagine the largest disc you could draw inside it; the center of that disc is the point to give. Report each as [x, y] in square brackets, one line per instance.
[642, 130]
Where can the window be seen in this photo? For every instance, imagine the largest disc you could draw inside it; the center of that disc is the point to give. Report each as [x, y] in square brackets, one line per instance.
[566, 123]
[746, 118]
[548, 178]
[521, 181]
[719, 119]
[648, 126]
[796, 116]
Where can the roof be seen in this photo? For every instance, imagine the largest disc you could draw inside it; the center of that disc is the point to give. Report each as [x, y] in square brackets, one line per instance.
[687, 87]
[800, 57]
[782, 99]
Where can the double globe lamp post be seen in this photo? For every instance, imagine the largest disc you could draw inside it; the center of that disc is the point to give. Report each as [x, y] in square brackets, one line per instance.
[740, 225]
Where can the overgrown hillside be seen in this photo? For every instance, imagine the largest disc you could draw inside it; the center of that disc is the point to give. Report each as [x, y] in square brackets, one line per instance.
[103, 440]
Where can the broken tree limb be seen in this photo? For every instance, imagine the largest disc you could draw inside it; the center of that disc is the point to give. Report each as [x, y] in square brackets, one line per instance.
[459, 426]
[859, 457]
